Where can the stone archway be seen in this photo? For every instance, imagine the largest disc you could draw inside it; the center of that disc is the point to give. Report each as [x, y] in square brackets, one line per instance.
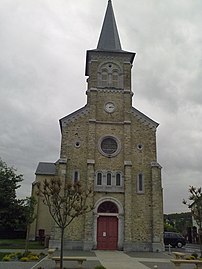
[108, 224]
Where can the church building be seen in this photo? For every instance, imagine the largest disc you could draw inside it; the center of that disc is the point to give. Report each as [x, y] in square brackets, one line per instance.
[110, 145]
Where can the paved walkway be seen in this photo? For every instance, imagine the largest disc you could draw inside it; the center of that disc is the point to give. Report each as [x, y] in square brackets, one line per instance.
[109, 259]
[118, 259]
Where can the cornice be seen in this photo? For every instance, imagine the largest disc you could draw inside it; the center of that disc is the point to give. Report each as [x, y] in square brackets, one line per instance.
[73, 116]
[110, 90]
[144, 119]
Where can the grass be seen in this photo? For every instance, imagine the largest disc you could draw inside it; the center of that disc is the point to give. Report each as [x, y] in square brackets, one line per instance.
[19, 244]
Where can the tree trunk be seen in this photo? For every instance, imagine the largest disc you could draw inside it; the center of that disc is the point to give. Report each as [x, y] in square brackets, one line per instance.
[27, 238]
[61, 247]
[200, 239]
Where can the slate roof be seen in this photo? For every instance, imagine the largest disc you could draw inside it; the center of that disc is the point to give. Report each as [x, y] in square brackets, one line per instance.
[45, 168]
[109, 37]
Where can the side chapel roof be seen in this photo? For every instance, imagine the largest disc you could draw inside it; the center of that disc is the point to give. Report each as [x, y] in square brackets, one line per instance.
[45, 168]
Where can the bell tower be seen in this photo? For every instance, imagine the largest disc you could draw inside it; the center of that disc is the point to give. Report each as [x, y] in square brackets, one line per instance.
[108, 68]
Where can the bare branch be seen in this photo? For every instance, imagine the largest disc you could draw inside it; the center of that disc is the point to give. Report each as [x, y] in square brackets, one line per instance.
[65, 202]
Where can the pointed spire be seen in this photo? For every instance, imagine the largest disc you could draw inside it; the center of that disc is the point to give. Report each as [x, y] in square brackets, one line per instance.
[109, 37]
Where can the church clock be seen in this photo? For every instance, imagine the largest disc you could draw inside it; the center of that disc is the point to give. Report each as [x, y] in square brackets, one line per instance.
[109, 107]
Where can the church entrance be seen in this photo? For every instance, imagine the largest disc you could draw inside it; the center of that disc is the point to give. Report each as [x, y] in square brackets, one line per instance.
[107, 226]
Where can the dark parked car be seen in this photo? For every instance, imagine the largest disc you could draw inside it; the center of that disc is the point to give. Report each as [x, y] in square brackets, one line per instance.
[174, 239]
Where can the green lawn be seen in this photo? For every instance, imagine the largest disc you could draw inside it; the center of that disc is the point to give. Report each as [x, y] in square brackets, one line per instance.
[19, 244]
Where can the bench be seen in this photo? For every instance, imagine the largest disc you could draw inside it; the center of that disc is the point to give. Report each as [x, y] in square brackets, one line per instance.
[179, 255]
[80, 260]
[178, 262]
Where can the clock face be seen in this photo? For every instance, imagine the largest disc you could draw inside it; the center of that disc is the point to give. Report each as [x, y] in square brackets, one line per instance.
[109, 107]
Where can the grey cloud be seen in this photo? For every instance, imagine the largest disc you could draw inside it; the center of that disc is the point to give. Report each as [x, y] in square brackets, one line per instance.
[42, 63]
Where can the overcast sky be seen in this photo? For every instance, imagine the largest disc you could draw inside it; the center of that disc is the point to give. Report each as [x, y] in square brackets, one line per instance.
[43, 46]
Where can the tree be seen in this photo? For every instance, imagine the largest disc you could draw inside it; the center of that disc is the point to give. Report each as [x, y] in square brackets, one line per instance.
[65, 203]
[29, 216]
[9, 204]
[195, 205]
[177, 222]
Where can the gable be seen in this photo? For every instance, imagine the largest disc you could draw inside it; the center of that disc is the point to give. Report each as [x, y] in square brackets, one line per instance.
[73, 116]
[144, 119]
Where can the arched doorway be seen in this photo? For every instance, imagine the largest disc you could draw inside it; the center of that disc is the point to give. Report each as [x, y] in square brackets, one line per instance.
[107, 226]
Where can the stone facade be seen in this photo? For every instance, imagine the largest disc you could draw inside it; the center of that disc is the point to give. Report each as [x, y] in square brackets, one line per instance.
[111, 146]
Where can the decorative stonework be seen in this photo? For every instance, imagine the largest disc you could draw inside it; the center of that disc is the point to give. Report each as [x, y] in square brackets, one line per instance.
[144, 119]
[106, 90]
[74, 116]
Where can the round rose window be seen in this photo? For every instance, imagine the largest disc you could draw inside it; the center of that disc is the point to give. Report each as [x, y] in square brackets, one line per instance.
[109, 146]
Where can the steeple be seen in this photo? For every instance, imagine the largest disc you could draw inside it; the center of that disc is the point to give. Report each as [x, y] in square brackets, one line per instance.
[109, 36]
[109, 45]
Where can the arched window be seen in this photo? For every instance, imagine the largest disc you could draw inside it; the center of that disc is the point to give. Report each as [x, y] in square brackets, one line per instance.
[75, 177]
[109, 179]
[110, 75]
[118, 179]
[107, 207]
[99, 179]
[140, 183]
[115, 79]
[104, 78]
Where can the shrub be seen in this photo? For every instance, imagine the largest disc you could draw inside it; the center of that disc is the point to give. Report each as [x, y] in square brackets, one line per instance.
[19, 255]
[33, 257]
[6, 258]
[12, 256]
[24, 259]
[195, 255]
[26, 253]
[25, 256]
[192, 257]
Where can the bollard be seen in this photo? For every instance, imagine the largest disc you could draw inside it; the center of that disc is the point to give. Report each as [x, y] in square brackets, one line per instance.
[169, 249]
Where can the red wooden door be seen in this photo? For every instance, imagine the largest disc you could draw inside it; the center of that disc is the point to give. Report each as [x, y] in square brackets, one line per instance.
[107, 233]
